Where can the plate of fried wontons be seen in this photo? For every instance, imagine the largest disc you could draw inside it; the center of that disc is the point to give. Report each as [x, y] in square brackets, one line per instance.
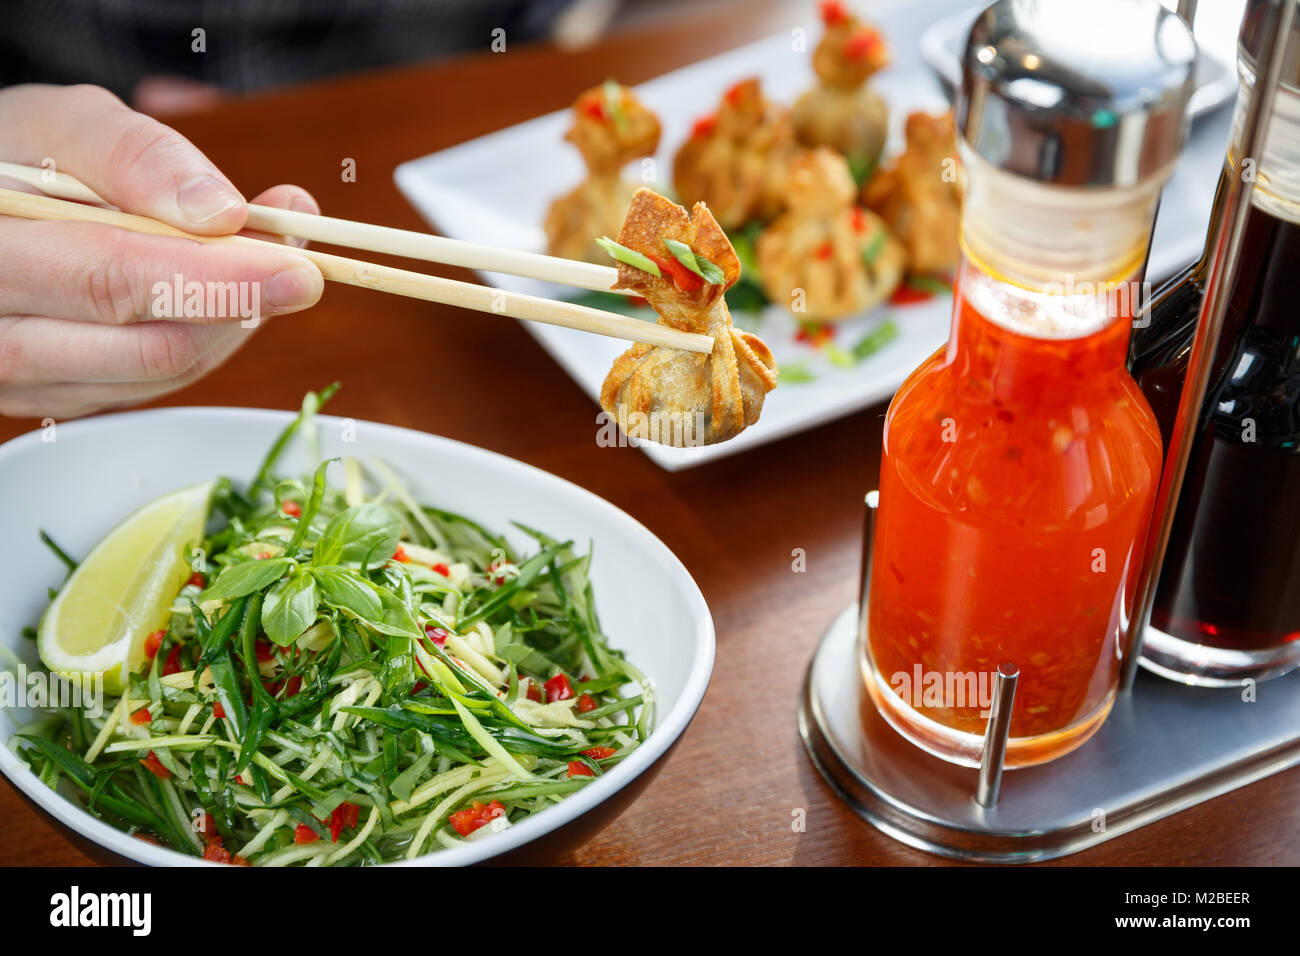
[797, 198]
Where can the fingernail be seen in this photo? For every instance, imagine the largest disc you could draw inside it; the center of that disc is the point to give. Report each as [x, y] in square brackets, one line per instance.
[304, 204]
[295, 287]
[203, 198]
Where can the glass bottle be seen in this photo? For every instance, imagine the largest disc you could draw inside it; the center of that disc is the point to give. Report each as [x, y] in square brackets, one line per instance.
[1020, 461]
[1227, 605]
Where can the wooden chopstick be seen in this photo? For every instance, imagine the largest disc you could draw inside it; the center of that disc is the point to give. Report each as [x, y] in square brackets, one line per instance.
[369, 275]
[364, 235]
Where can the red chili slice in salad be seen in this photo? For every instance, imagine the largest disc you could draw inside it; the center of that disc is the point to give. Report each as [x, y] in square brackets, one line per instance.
[585, 703]
[559, 688]
[344, 817]
[173, 663]
[491, 569]
[600, 753]
[441, 569]
[153, 642]
[303, 834]
[155, 767]
[142, 716]
[471, 818]
[216, 853]
[218, 711]
[579, 769]
[291, 508]
[400, 555]
[197, 580]
[534, 692]
[437, 635]
[290, 688]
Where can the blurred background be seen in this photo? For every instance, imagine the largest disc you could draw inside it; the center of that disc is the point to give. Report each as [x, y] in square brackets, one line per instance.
[173, 57]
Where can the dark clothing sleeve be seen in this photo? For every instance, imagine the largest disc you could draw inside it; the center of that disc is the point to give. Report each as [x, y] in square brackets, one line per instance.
[246, 44]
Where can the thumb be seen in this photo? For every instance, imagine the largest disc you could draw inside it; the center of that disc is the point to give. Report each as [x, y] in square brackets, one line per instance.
[134, 162]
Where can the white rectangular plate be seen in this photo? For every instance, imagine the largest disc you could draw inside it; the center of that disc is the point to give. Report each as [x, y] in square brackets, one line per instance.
[496, 189]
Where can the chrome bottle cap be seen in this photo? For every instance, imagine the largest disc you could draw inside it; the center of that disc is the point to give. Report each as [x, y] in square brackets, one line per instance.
[1252, 39]
[1077, 94]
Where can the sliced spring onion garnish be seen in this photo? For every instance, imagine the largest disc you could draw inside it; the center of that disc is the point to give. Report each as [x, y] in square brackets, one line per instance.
[692, 260]
[629, 256]
[931, 284]
[614, 105]
[875, 340]
[871, 251]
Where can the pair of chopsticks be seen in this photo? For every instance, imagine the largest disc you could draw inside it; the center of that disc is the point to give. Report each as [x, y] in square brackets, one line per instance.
[73, 197]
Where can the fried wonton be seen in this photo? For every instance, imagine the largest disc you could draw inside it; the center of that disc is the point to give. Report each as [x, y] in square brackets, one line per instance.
[919, 194]
[611, 128]
[735, 158]
[825, 257]
[842, 111]
[669, 395]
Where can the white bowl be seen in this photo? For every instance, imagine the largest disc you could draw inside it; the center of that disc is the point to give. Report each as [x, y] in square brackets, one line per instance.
[80, 479]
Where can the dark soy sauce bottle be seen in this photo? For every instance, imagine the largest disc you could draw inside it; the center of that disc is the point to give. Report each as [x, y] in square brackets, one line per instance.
[1228, 602]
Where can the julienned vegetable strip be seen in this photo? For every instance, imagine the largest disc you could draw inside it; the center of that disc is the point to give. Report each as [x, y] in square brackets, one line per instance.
[324, 697]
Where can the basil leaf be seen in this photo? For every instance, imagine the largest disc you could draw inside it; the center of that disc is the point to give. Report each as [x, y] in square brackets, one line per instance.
[245, 578]
[351, 592]
[629, 256]
[692, 260]
[395, 619]
[357, 533]
[290, 608]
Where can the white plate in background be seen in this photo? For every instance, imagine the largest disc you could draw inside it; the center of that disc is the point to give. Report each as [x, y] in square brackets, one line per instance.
[496, 189]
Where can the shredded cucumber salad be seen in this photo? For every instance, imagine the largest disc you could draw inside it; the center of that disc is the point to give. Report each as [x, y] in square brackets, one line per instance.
[349, 678]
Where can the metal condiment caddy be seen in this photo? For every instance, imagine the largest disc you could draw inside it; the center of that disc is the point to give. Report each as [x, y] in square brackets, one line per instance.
[1164, 746]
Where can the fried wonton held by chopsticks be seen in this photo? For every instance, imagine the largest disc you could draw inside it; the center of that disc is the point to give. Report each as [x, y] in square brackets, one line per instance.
[672, 396]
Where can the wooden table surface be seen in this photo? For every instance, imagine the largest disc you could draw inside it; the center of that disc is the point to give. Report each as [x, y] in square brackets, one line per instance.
[729, 794]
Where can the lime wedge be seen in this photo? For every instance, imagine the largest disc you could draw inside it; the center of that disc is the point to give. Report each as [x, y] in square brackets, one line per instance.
[123, 590]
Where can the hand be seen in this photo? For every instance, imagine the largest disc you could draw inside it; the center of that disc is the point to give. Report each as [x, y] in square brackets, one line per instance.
[79, 331]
